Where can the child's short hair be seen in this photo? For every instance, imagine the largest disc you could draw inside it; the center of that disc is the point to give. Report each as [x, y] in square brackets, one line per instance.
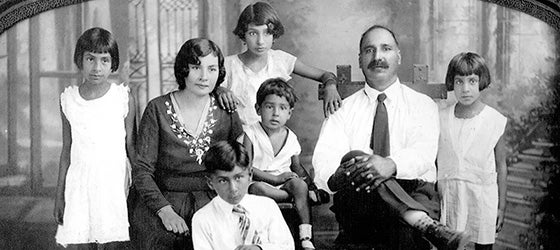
[225, 155]
[465, 64]
[259, 13]
[279, 87]
[189, 54]
[97, 40]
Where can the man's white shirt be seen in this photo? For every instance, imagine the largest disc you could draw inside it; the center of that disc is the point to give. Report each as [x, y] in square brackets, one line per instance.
[215, 226]
[413, 132]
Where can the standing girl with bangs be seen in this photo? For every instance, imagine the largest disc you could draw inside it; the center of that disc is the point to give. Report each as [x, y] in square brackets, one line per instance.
[97, 137]
[471, 157]
[258, 27]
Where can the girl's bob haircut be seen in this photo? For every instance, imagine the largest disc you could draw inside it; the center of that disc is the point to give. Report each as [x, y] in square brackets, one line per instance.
[97, 40]
[259, 13]
[466, 64]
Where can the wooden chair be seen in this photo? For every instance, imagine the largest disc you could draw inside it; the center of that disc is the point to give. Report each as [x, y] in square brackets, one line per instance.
[346, 86]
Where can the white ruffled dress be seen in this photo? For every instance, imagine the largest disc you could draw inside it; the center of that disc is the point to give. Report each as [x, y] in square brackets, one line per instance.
[95, 210]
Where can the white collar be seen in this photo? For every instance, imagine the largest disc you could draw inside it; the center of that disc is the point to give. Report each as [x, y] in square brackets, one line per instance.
[227, 208]
[392, 92]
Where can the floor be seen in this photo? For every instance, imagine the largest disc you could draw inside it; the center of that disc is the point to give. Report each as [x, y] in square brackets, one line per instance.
[27, 223]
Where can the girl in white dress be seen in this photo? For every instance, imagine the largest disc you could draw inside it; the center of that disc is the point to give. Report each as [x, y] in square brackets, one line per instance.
[258, 27]
[97, 135]
[471, 157]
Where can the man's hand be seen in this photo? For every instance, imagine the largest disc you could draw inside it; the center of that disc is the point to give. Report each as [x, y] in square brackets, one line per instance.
[227, 99]
[500, 221]
[284, 177]
[172, 221]
[371, 171]
[248, 247]
[332, 101]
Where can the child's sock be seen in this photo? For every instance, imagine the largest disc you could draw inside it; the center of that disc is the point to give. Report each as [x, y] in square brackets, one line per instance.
[313, 196]
[318, 196]
[305, 236]
[413, 216]
[421, 223]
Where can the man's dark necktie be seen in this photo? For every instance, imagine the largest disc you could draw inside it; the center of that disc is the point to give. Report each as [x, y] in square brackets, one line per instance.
[380, 133]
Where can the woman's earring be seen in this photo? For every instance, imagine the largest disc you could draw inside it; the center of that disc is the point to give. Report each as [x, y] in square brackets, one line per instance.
[244, 43]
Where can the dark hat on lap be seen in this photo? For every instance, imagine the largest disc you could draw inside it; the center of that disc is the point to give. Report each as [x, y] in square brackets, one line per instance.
[354, 153]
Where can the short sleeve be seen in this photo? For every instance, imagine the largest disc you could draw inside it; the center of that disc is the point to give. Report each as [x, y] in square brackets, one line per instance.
[503, 124]
[63, 102]
[228, 64]
[250, 131]
[124, 98]
[284, 60]
[295, 144]
[65, 97]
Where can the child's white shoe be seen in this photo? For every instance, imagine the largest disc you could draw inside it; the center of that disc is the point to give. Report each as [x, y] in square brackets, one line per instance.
[307, 245]
[305, 237]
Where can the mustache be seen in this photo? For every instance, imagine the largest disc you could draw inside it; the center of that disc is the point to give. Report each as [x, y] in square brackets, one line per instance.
[378, 63]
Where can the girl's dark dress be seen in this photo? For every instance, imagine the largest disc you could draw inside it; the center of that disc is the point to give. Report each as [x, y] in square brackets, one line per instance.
[168, 170]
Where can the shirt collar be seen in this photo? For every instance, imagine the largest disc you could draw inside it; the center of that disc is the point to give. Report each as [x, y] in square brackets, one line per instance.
[391, 92]
[226, 207]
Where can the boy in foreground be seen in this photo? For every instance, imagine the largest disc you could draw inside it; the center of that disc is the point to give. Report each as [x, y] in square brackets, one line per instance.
[235, 219]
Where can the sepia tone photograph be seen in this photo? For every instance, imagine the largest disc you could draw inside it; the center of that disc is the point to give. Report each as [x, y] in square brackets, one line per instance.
[97, 150]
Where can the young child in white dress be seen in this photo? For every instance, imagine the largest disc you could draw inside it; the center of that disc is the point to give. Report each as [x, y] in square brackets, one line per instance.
[276, 166]
[97, 135]
[258, 27]
[471, 157]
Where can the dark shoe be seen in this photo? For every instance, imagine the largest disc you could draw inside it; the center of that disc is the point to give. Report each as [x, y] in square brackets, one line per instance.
[444, 238]
[318, 197]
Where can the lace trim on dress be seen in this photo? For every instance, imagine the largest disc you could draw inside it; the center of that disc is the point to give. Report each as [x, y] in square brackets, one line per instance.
[198, 145]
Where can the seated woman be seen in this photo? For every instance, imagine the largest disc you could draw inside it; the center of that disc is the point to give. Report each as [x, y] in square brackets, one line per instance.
[175, 131]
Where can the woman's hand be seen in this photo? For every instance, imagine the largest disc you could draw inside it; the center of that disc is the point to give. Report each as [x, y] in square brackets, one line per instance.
[172, 221]
[59, 205]
[227, 99]
[332, 101]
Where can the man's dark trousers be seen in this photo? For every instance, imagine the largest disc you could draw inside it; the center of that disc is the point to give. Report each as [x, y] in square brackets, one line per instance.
[375, 218]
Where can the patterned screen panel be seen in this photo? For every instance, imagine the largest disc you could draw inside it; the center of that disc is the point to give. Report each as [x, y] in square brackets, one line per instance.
[178, 22]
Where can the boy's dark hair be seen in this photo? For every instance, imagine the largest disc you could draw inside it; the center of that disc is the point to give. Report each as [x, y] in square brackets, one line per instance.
[279, 87]
[225, 155]
[465, 64]
[189, 54]
[377, 26]
[97, 40]
[259, 13]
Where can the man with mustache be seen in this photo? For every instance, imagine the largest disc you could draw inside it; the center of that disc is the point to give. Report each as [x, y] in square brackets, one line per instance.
[385, 192]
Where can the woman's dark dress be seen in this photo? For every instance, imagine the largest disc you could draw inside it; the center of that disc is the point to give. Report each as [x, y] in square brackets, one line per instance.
[168, 170]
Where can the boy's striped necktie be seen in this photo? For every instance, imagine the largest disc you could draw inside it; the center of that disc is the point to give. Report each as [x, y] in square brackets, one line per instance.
[244, 222]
